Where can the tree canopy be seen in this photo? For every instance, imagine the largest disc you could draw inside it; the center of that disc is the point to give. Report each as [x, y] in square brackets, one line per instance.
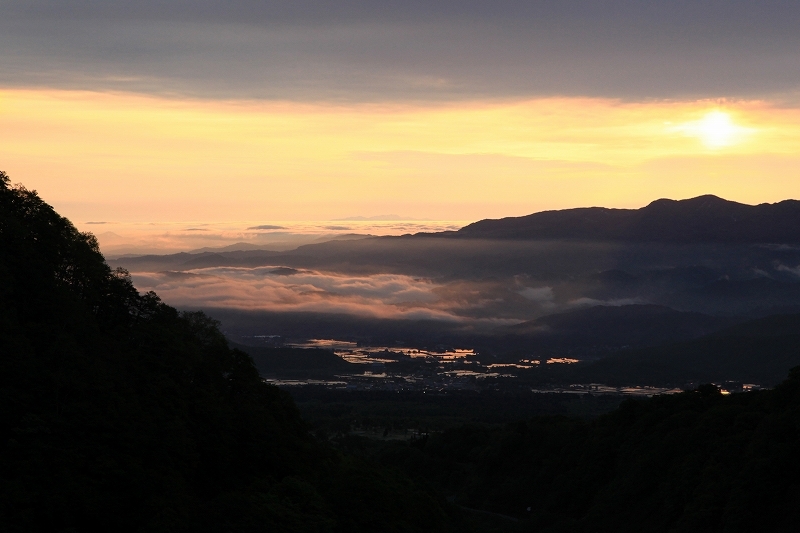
[119, 413]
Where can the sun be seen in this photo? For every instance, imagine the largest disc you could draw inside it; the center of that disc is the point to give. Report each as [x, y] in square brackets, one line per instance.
[716, 130]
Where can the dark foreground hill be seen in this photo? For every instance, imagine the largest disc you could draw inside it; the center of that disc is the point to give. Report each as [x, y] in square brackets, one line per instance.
[117, 413]
[702, 219]
[697, 461]
[294, 363]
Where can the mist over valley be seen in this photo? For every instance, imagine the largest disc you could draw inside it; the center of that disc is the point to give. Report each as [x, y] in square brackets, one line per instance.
[585, 284]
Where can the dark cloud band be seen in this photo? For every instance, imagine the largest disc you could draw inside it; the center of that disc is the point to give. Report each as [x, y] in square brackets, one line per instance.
[368, 50]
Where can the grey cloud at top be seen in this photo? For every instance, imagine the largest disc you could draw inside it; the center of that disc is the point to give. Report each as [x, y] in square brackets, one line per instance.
[372, 50]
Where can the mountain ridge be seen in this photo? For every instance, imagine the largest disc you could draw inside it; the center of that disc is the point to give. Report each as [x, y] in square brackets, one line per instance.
[635, 324]
[703, 219]
[706, 218]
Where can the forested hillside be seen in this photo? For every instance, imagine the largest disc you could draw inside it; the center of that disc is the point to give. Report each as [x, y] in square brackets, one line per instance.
[118, 413]
[696, 461]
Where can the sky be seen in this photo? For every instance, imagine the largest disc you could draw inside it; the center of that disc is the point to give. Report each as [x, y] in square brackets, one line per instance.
[254, 111]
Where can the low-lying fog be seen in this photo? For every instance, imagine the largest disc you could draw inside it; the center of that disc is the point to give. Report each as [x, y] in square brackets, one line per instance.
[465, 285]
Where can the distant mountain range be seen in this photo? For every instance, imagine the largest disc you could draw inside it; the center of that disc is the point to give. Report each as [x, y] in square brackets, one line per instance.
[758, 351]
[618, 326]
[690, 267]
[703, 219]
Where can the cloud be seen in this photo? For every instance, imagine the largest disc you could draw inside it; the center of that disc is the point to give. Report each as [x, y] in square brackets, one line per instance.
[268, 288]
[284, 271]
[360, 218]
[614, 302]
[540, 294]
[367, 50]
[266, 226]
[784, 268]
[381, 295]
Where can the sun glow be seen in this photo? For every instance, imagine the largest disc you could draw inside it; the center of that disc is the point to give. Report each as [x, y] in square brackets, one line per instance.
[135, 158]
[716, 130]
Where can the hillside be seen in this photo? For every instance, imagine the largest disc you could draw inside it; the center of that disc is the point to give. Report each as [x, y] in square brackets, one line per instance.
[298, 363]
[119, 413]
[759, 351]
[702, 219]
[618, 326]
[697, 461]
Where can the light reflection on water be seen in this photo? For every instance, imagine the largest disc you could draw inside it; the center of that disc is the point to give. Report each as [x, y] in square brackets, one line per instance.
[353, 353]
[599, 388]
[478, 375]
[377, 362]
[300, 382]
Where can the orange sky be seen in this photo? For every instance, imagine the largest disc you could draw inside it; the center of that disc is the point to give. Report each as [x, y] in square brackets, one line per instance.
[125, 157]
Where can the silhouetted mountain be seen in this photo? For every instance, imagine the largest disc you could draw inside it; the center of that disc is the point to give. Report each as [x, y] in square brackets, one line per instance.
[186, 261]
[235, 247]
[759, 351]
[702, 219]
[770, 326]
[617, 326]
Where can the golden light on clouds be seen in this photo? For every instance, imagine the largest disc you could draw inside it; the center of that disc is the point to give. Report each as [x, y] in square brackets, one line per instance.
[97, 156]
